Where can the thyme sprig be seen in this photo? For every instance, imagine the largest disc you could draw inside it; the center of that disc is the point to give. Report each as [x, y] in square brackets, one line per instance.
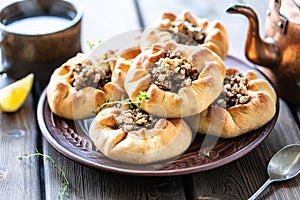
[118, 104]
[141, 96]
[91, 45]
[65, 183]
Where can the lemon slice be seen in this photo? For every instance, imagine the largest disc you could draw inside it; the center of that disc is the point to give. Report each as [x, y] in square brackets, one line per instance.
[14, 95]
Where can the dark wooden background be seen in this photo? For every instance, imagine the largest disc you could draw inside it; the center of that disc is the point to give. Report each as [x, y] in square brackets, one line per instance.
[20, 134]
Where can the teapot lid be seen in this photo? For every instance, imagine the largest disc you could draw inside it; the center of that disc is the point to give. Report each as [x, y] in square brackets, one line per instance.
[291, 10]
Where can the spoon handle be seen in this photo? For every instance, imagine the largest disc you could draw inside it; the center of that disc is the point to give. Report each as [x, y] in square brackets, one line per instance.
[262, 188]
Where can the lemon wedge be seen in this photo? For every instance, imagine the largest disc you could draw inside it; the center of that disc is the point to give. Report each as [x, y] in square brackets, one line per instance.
[14, 95]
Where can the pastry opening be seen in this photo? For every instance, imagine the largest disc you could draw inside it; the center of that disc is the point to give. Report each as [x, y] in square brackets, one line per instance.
[94, 74]
[235, 91]
[134, 119]
[185, 28]
[172, 72]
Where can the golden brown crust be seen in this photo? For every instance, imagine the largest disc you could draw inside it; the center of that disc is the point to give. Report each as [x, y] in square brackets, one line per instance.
[189, 100]
[216, 35]
[242, 118]
[168, 139]
[65, 101]
[123, 64]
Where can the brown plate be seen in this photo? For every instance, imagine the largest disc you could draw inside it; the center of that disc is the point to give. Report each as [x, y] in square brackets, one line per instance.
[72, 140]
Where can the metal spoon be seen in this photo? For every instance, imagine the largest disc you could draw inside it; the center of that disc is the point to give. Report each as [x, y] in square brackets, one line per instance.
[284, 165]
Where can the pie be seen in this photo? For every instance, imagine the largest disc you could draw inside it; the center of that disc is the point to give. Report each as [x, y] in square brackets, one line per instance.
[80, 86]
[245, 104]
[187, 29]
[133, 136]
[180, 80]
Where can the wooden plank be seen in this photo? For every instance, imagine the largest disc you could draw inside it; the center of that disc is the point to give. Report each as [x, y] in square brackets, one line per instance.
[240, 179]
[18, 135]
[297, 113]
[87, 183]
[102, 20]
[53, 183]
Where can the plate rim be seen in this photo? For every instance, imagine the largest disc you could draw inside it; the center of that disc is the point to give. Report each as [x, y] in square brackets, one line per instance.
[171, 172]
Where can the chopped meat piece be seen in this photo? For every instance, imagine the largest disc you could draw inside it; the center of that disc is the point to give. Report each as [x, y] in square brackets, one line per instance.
[94, 75]
[185, 31]
[234, 92]
[134, 119]
[173, 72]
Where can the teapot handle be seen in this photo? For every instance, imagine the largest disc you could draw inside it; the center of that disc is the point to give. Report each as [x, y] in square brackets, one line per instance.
[279, 20]
[277, 5]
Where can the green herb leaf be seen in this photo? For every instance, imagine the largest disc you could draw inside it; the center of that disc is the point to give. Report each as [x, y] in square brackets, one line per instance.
[65, 185]
[118, 104]
[104, 57]
[131, 106]
[142, 95]
[90, 44]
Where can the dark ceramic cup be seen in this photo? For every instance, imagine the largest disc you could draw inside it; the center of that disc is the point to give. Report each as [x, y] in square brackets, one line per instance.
[38, 46]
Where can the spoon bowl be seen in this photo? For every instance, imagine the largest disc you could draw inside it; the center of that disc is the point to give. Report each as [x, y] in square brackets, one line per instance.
[284, 165]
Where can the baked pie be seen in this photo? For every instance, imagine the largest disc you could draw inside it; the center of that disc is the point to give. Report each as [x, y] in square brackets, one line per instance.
[79, 86]
[180, 80]
[123, 62]
[127, 133]
[245, 104]
[187, 29]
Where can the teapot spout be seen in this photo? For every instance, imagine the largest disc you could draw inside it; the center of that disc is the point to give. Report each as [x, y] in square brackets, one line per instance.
[258, 51]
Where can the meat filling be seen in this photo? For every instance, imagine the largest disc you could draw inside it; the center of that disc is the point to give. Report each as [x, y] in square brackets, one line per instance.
[173, 72]
[135, 119]
[234, 91]
[93, 75]
[184, 31]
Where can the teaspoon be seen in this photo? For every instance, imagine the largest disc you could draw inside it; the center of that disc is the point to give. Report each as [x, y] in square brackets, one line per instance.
[284, 165]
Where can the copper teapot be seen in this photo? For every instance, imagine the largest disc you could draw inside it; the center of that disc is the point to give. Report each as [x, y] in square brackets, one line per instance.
[279, 52]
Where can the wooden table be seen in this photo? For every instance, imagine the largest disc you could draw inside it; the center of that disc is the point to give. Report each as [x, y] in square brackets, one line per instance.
[38, 179]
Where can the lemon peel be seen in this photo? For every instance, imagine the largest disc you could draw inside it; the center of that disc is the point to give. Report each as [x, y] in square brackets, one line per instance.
[13, 96]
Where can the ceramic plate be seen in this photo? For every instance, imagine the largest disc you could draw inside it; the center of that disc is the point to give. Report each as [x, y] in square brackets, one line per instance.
[71, 139]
